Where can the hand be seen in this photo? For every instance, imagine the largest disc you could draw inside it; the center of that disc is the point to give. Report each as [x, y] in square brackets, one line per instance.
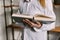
[32, 24]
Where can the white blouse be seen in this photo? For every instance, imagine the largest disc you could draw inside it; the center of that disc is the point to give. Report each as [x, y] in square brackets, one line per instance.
[33, 7]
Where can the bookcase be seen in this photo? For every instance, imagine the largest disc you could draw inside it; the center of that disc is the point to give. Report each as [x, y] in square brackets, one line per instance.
[8, 4]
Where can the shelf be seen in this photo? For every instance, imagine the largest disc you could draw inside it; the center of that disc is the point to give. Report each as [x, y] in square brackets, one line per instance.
[14, 26]
[57, 29]
[11, 5]
[56, 4]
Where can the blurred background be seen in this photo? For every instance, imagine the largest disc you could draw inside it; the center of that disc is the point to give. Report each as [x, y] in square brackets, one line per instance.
[51, 35]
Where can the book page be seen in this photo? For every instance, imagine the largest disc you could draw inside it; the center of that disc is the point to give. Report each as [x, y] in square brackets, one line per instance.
[44, 19]
[44, 16]
[22, 16]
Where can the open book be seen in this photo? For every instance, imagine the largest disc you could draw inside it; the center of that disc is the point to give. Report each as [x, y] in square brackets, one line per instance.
[42, 18]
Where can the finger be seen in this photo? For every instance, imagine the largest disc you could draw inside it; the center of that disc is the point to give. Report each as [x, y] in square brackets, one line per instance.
[30, 23]
[34, 24]
[24, 20]
[27, 22]
[38, 23]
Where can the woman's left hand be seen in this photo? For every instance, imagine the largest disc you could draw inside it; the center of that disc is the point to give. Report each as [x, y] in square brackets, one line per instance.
[32, 24]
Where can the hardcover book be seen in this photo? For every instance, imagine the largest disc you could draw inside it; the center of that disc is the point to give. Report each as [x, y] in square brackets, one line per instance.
[38, 17]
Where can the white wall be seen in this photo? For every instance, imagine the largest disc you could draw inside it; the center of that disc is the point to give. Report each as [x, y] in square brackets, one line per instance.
[2, 23]
[17, 32]
[57, 12]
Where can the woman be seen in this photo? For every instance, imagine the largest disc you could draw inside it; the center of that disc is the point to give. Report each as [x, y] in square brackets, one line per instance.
[36, 31]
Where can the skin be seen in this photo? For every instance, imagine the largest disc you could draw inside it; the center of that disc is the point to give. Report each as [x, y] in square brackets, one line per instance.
[32, 24]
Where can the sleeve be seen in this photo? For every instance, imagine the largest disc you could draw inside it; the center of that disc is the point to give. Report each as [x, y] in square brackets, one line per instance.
[20, 6]
[48, 12]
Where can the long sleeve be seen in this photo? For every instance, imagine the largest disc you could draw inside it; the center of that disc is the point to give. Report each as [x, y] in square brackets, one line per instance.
[46, 27]
[21, 6]
[49, 12]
